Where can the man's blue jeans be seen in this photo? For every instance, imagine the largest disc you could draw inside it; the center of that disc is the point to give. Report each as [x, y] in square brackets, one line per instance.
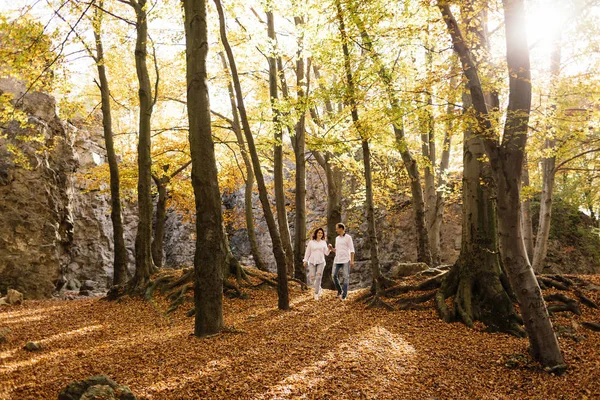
[343, 288]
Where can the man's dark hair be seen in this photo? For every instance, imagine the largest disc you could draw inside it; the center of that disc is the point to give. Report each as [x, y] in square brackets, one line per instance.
[340, 225]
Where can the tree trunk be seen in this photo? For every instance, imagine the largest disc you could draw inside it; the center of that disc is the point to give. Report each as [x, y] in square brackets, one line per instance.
[333, 176]
[476, 279]
[282, 279]
[334, 179]
[282, 219]
[299, 152]
[249, 181]
[372, 232]
[527, 224]
[549, 172]
[209, 259]
[396, 113]
[143, 240]
[506, 160]
[120, 251]
[161, 218]
[435, 226]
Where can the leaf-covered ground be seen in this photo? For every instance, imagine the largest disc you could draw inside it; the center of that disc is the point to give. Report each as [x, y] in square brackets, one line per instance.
[324, 349]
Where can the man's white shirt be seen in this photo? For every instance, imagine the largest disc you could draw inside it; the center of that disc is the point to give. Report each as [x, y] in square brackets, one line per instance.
[343, 247]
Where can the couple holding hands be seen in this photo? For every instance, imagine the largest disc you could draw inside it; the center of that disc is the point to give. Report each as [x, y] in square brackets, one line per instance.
[314, 258]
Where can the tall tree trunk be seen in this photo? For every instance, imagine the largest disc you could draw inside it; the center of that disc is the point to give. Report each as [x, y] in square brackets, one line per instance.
[396, 113]
[282, 279]
[302, 78]
[435, 226]
[527, 224]
[249, 181]
[282, 219]
[120, 251]
[143, 240]
[506, 160]
[549, 172]
[334, 178]
[161, 218]
[476, 279]
[378, 284]
[209, 259]
[428, 150]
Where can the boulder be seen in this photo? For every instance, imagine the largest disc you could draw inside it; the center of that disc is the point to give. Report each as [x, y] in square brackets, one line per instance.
[33, 346]
[400, 270]
[88, 285]
[73, 284]
[97, 387]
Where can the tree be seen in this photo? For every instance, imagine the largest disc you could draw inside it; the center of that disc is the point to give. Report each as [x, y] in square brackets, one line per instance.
[120, 251]
[158, 239]
[506, 160]
[379, 282]
[397, 115]
[144, 266]
[209, 260]
[282, 280]
[249, 179]
[282, 219]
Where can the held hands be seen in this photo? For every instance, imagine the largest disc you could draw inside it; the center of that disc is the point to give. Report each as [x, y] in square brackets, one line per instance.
[331, 247]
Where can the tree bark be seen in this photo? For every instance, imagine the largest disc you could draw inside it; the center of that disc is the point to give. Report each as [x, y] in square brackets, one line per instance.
[476, 279]
[334, 178]
[143, 240]
[282, 219]
[396, 113]
[299, 152]
[506, 160]
[371, 229]
[249, 181]
[210, 256]
[161, 218]
[549, 172]
[120, 251]
[282, 279]
[527, 224]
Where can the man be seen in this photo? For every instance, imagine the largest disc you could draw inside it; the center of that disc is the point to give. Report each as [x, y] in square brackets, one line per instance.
[344, 260]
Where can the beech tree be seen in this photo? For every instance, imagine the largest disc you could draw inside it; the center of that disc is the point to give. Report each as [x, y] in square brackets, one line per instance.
[282, 278]
[209, 260]
[506, 161]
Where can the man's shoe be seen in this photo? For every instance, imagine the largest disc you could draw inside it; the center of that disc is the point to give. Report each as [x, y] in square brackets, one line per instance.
[339, 295]
[344, 298]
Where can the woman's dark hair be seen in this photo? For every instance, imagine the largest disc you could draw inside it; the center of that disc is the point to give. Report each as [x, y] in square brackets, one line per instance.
[314, 236]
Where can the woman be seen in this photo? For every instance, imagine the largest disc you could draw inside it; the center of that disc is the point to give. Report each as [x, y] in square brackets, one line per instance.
[314, 257]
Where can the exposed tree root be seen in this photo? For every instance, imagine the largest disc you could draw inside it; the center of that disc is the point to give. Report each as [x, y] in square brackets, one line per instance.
[567, 304]
[413, 302]
[550, 282]
[377, 302]
[584, 299]
[260, 275]
[592, 325]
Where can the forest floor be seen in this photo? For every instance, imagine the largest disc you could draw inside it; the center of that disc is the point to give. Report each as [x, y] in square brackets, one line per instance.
[317, 350]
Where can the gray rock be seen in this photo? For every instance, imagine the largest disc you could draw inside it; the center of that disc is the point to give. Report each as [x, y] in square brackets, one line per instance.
[73, 284]
[407, 269]
[88, 285]
[94, 387]
[99, 392]
[33, 346]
